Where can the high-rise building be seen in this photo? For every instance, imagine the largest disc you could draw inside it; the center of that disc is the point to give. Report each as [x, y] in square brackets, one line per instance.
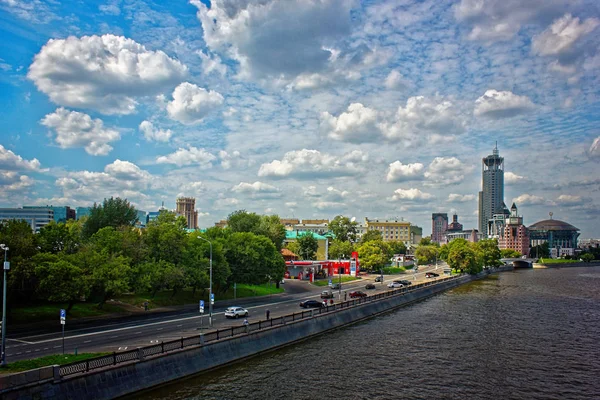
[514, 234]
[82, 212]
[35, 217]
[439, 224]
[491, 196]
[186, 206]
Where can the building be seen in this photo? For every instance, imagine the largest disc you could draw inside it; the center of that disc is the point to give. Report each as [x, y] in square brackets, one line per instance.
[491, 197]
[319, 228]
[496, 224]
[289, 221]
[390, 229]
[142, 218]
[186, 206]
[560, 236]
[416, 234]
[221, 224]
[454, 226]
[361, 229]
[589, 243]
[35, 217]
[82, 212]
[439, 224]
[471, 235]
[61, 213]
[322, 251]
[514, 234]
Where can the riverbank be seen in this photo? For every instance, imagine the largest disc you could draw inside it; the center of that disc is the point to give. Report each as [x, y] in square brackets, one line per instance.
[566, 265]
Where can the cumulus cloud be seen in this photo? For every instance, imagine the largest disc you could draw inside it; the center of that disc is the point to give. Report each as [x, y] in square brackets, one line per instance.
[105, 73]
[594, 150]
[394, 80]
[501, 104]
[570, 200]
[189, 156]
[529, 199]
[511, 177]
[212, 63]
[192, 103]
[10, 161]
[153, 134]
[308, 164]
[460, 198]
[560, 37]
[446, 171]
[399, 172]
[74, 129]
[232, 159]
[264, 36]
[254, 188]
[411, 195]
[358, 125]
[328, 205]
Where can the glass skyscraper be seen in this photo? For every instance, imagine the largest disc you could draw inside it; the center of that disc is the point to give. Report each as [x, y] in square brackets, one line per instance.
[491, 197]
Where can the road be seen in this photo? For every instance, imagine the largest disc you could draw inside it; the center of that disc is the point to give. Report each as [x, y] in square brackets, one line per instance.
[129, 335]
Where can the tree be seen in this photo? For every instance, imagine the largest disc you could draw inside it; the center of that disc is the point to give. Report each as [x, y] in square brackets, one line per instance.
[308, 246]
[371, 235]
[488, 253]
[337, 249]
[462, 257]
[243, 221]
[271, 227]
[113, 212]
[343, 228]
[587, 257]
[540, 251]
[397, 247]
[510, 253]
[374, 255]
[19, 238]
[56, 238]
[196, 263]
[443, 254]
[426, 241]
[294, 247]
[59, 280]
[166, 238]
[426, 254]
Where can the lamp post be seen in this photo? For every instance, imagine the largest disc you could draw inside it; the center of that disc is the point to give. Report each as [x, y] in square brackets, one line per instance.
[6, 267]
[210, 292]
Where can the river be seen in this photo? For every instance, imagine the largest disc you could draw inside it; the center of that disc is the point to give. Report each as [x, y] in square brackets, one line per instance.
[527, 334]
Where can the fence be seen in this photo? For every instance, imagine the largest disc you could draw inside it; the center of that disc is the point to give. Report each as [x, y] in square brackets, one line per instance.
[199, 340]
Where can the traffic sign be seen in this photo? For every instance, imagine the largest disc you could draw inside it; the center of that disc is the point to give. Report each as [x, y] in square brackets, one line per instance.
[212, 298]
[201, 306]
[63, 316]
[7, 265]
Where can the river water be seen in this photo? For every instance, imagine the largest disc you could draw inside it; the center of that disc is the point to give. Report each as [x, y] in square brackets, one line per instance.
[527, 334]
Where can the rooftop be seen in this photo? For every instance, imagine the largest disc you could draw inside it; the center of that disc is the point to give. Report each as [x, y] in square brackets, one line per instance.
[552, 225]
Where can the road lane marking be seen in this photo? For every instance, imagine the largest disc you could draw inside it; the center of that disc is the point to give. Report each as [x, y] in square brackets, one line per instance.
[20, 341]
[86, 341]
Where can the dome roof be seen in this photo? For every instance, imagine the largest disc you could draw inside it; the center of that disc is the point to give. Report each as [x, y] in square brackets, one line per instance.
[552, 225]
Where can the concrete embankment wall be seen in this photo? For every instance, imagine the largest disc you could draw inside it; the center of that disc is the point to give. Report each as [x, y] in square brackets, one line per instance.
[566, 265]
[125, 379]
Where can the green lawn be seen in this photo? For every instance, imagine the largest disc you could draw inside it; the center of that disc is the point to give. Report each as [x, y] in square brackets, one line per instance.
[557, 261]
[55, 359]
[49, 311]
[334, 279]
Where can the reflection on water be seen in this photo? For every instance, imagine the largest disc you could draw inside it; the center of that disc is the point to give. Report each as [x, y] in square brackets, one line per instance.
[528, 334]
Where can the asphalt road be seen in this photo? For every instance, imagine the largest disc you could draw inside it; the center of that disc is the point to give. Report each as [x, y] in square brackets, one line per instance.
[154, 329]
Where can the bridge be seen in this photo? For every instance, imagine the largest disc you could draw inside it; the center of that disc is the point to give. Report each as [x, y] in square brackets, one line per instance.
[519, 262]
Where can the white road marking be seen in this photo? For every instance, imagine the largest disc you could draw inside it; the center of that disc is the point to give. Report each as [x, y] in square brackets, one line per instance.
[20, 341]
[86, 341]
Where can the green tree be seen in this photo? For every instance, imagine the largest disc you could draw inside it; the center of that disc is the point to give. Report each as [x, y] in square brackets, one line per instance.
[373, 255]
[463, 257]
[57, 238]
[271, 227]
[113, 212]
[510, 253]
[197, 263]
[443, 254]
[19, 238]
[343, 228]
[371, 235]
[166, 238]
[540, 251]
[426, 254]
[243, 221]
[426, 241]
[397, 247]
[587, 257]
[488, 253]
[308, 246]
[294, 247]
[339, 249]
[61, 281]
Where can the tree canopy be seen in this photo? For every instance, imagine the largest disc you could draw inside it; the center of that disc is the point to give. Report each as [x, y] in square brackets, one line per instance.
[308, 246]
[113, 212]
[343, 228]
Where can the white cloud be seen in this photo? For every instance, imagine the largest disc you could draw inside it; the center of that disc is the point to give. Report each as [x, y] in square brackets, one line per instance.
[265, 36]
[328, 205]
[310, 81]
[357, 125]
[309, 164]
[9, 161]
[411, 195]
[192, 103]
[570, 200]
[510, 177]
[501, 104]
[232, 159]
[394, 80]
[446, 171]
[253, 188]
[560, 37]
[460, 198]
[291, 204]
[74, 129]
[189, 156]
[110, 8]
[150, 133]
[594, 150]
[212, 63]
[105, 73]
[399, 172]
[529, 199]
[334, 194]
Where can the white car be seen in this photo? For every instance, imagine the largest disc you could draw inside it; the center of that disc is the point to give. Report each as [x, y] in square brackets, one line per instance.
[395, 285]
[236, 312]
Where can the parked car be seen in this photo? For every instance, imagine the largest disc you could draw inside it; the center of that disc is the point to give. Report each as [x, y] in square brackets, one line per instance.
[431, 275]
[311, 304]
[236, 312]
[404, 282]
[379, 278]
[327, 294]
[369, 286]
[357, 293]
[395, 285]
[336, 286]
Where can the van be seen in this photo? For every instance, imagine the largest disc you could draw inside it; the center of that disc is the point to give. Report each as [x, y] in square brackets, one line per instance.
[327, 294]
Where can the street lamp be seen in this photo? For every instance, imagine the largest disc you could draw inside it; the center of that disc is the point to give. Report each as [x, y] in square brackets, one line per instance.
[210, 295]
[6, 267]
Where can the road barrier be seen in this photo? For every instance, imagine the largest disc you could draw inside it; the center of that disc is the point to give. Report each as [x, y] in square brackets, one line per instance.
[141, 353]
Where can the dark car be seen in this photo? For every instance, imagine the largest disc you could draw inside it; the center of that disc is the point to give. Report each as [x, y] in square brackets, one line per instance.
[379, 278]
[311, 304]
[405, 282]
[431, 275]
[370, 286]
[336, 286]
[357, 293]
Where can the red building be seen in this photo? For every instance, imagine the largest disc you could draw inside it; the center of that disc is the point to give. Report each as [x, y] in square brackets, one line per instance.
[514, 235]
[307, 269]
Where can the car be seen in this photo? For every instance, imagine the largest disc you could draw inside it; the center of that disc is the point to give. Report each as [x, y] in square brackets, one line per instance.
[369, 286]
[379, 278]
[311, 304]
[236, 312]
[327, 294]
[336, 286]
[282, 282]
[395, 285]
[357, 293]
[431, 275]
[405, 282]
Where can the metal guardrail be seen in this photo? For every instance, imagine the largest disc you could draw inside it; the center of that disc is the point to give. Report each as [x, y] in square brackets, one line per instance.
[200, 340]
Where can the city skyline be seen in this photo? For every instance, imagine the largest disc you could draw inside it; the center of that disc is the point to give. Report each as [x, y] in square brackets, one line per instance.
[303, 109]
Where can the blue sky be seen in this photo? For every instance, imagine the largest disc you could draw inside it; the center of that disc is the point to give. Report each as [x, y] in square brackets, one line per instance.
[304, 108]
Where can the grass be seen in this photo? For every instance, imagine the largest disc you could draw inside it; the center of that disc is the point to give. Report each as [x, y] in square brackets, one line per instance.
[557, 261]
[55, 359]
[394, 270]
[334, 279]
[50, 311]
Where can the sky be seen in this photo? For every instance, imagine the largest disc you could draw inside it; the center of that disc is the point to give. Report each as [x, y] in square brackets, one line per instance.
[303, 108]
